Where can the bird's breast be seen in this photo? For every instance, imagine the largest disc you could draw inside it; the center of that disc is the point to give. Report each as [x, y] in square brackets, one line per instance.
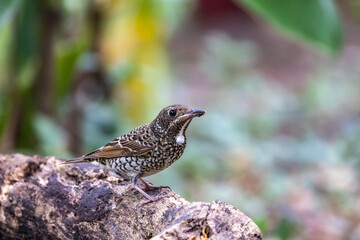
[169, 153]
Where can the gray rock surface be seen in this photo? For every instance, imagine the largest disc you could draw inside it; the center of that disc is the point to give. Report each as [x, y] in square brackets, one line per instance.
[44, 199]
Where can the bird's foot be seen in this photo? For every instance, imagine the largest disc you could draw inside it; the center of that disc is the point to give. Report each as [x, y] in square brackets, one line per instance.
[154, 199]
[150, 187]
[149, 198]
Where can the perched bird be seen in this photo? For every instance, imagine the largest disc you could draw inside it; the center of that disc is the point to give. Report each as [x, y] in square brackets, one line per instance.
[147, 149]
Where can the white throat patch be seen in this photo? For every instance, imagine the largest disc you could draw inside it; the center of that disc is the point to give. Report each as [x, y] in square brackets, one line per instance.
[180, 138]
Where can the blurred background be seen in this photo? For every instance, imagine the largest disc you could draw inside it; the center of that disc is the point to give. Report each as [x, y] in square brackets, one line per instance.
[279, 80]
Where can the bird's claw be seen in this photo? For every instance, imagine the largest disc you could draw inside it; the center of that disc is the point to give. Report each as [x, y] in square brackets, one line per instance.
[150, 187]
[154, 199]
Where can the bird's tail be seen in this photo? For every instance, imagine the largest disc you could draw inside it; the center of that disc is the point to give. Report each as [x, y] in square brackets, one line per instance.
[76, 160]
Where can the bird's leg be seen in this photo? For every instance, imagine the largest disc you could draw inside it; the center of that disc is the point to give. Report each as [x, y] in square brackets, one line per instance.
[150, 187]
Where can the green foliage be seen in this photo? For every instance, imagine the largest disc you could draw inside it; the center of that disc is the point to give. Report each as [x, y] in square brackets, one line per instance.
[25, 35]
[7, 11]
[67, 58]
[100, 127]
[314, 21]
[262, 223]
[286, 229]
[50, 136]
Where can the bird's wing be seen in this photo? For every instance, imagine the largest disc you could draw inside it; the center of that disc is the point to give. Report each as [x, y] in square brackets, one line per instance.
[124, 148]
[131, 144]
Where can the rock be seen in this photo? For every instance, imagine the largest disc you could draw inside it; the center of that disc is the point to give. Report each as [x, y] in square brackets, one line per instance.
[44, 199]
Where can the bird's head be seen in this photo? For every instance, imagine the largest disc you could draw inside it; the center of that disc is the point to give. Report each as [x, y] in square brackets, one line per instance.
[173, 120]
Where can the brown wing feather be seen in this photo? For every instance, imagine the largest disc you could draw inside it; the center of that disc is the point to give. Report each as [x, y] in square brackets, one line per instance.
[120, 151]
[123, 146]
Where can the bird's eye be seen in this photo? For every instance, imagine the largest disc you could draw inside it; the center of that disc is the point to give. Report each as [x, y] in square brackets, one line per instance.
[172, 113]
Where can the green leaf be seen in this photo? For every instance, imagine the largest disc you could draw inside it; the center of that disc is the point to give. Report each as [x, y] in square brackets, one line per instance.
[286, 229]
[262, 223]
[66, 60]
[50, 135]
[26, 37]
[313, 21]
[8, 10]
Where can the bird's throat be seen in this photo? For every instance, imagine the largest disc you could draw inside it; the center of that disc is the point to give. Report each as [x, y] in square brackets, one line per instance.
[180, 137]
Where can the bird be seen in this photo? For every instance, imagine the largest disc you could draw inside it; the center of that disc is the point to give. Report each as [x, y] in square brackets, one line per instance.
[146, 150]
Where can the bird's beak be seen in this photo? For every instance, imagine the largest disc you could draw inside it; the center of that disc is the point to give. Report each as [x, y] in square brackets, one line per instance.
[193, 113]
[197, 112]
